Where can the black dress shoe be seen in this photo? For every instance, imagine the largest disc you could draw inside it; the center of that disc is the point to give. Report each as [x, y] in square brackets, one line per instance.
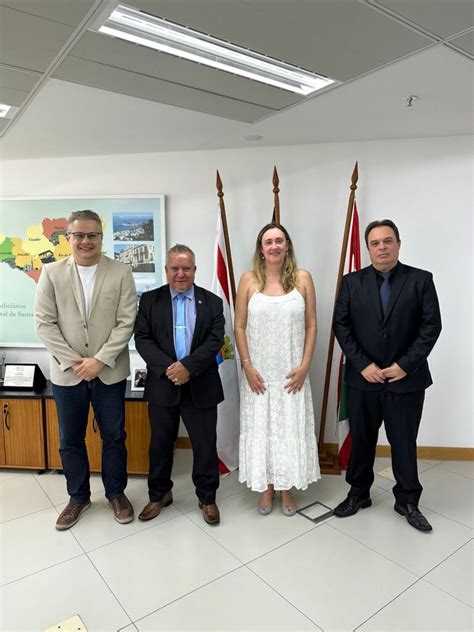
[351, 506]
[414, 516]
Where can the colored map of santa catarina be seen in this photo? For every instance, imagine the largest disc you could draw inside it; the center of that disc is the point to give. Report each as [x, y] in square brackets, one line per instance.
[33, 233]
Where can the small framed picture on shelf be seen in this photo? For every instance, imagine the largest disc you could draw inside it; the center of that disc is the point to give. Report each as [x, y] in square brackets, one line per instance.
[138, 378]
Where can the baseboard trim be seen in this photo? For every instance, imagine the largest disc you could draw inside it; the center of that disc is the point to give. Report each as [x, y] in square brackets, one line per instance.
[436, 453]
[183, 443]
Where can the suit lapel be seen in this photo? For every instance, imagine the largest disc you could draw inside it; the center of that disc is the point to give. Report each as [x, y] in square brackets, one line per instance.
[76, 286]
[99, 281]
[374, 292]
[398, 283]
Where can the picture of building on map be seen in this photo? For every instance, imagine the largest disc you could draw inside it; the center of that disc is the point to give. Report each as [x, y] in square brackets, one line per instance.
[140, 257]
[133, 226]
[144, 283]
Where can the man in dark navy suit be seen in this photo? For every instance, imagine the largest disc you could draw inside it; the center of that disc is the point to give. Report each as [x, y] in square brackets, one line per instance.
[387, 321]
[178, 332]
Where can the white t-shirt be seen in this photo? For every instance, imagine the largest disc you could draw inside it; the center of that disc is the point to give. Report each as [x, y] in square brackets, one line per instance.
[87, 276]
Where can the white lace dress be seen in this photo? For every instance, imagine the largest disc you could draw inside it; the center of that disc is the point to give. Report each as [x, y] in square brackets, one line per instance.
[277, 439]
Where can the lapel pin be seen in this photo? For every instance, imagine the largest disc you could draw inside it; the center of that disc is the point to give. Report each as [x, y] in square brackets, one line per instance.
[200, 302]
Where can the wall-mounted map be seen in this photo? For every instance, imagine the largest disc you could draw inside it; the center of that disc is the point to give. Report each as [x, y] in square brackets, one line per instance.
[33, 233]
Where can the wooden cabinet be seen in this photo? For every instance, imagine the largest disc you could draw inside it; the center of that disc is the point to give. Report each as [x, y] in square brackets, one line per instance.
[136, 427]
[22, 439]
[138, 432]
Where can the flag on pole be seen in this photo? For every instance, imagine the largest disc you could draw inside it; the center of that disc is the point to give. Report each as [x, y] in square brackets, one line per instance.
[343, 428]
[228, 410]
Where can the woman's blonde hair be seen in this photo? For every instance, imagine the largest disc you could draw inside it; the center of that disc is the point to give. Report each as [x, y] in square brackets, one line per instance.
[289, 270]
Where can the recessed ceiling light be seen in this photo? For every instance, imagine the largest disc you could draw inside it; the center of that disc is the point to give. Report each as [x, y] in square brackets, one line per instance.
[147, 30]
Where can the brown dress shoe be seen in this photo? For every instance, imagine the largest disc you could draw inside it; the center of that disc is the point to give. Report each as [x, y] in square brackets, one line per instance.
[71, 514]
[122, 508]
[153, 508]
[210, 513]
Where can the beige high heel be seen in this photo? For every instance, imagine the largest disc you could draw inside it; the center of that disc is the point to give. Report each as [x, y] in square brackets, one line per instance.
[288, 510]
[264, 510]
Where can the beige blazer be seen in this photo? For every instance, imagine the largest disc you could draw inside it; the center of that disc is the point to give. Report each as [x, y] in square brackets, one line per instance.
[66, 332]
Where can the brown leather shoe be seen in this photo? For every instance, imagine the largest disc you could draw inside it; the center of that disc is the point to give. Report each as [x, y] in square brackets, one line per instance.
[71, 514]
[210, 513]
[153, 508]
[122, 508]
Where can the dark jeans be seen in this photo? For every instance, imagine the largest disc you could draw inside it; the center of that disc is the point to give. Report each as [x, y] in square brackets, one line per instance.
[401, 414]
[108, 403]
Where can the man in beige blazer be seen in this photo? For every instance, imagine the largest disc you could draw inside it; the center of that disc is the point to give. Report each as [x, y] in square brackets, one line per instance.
[85, 312]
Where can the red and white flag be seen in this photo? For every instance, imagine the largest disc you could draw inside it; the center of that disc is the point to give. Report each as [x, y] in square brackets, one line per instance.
[343, 428]
[227, 411]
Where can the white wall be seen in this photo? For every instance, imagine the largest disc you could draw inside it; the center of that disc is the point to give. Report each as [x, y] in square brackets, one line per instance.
[424, 185]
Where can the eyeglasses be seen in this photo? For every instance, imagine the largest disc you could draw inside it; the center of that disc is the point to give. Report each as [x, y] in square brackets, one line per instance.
[81, 236]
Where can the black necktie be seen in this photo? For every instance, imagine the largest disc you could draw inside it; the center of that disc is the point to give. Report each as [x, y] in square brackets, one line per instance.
[385, 290]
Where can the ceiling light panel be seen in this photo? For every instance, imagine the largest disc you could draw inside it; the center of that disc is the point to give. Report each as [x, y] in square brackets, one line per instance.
[147, 30]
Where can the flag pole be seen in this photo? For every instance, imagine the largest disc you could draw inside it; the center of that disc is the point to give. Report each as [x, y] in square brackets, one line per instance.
[276, 198]
[220, 195]
[329, 464]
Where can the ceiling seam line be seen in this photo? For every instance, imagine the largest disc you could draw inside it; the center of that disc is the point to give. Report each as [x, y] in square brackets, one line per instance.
[400, 19]
[20, 69]
[174, 83]
[351, 80]
[39, 17]
[64, 51]
[182, 107]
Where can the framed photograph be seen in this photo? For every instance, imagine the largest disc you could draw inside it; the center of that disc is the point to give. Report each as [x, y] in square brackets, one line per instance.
[138, 378]
[33, 233]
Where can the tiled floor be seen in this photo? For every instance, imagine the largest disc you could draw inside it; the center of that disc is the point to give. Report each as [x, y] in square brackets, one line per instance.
[371, 572]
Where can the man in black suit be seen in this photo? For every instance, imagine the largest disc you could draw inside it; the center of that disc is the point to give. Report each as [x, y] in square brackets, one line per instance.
[387, 321]
[178, 332]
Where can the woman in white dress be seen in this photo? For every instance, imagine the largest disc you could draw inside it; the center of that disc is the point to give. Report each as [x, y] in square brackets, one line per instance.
[275, 332]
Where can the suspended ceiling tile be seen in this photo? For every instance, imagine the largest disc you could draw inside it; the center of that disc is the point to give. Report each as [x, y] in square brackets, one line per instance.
[18, 79]
[3, 123]
[21, 29]
[28, 41]
[442, 17]
[12, 97]
[465, 42]
[124, 82]
[66, 11]
[341, 39]
[145, 61]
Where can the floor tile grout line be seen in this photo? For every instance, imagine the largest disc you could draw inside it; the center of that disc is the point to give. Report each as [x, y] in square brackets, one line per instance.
[445, 469]
[390, 559]
[283, 597]
[129, 535]
[315, 526]
[26, 515]
[211, 581]
[387, 604]
[408, 570]
[127, 626]
[19, 473]
[300, 535]
[420, 579]
[462, 524]
[110, 589]
[46, 568]
[423, 577]
[204, 530]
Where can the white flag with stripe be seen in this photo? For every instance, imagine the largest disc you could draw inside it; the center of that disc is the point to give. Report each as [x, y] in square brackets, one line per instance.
[228, 410]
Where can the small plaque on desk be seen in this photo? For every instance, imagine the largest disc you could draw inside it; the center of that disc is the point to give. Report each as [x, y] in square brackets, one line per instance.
[23, 377]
